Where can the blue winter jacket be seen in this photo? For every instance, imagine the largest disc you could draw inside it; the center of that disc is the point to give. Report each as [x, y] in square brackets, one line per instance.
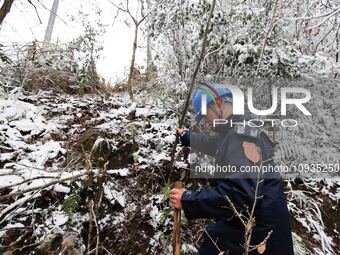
[271, 213]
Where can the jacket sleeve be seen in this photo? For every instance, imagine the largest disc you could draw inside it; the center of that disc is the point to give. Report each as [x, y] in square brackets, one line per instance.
[206, 144]
[207, 203]
[211, 202]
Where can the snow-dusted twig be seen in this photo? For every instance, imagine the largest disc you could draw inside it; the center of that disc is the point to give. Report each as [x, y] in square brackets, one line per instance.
[27, 180]
[317, 16]
[216, 50]
[18, 193]
[323, 38]
[325, 19]
[271, 25]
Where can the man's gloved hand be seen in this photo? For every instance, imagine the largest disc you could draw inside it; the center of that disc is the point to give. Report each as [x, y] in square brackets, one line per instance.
[179, 130]
[175, 198]
[184, 136]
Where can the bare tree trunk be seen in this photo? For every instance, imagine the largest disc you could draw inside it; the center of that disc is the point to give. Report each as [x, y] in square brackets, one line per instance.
[5, 9]
[51, 21]
[132, 64]
[149, 63]
[137, 23]
[337, 39]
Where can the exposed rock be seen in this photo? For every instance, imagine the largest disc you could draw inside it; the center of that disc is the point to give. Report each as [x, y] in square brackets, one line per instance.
[51, 245]
[69, 247]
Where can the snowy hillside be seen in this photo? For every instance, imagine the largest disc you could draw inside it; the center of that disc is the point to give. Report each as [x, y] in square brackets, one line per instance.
[60, 154]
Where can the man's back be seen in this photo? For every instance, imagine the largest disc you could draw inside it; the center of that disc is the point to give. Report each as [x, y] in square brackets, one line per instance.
[230, 146]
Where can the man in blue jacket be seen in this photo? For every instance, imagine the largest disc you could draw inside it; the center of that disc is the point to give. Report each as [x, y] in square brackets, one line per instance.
[237, 146]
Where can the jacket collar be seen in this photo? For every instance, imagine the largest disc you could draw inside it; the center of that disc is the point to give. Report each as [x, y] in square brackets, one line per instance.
[224, 128]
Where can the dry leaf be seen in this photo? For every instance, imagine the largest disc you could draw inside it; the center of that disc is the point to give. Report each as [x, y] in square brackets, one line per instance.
[262, 248]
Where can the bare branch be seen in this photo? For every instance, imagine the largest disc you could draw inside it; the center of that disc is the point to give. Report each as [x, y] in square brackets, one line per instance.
[325, 19]
[236, 212]
[5, 9]
[118, 7]
[249, 221]
[254, 247]
[36, 11]
[126, 10]
[323, 38]
[318, 16]
[266, 37]
[139, 22]
[17, 193]
[27, 180]
[39, 1]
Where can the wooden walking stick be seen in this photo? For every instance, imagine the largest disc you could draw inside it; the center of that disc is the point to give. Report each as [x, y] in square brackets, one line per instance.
[176, 241]
[178, 185]
[191, 87]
